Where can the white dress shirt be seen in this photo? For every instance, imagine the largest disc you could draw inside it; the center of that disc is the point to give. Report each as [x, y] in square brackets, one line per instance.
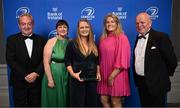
[29, 45]
[140, 55]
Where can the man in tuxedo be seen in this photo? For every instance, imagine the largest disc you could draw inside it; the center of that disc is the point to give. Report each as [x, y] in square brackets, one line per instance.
[154, 62]
[24, 55]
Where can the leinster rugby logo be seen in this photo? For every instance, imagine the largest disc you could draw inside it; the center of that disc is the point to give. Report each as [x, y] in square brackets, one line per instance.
[153, 12]
[22, 10]
[88, 13]
[52, 34]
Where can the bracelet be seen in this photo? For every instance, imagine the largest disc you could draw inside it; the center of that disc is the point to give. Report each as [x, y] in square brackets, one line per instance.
[51, 81]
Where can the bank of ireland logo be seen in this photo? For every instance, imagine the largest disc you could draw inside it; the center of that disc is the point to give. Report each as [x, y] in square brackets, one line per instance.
[54, 14]
[153, 12]
[22, 10]
[88, 13]
[52, 34]
[121, 13]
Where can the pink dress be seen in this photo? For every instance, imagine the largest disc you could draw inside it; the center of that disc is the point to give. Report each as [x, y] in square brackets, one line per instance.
[114, 53]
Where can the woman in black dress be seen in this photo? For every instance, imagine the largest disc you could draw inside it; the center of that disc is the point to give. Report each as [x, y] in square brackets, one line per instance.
[81, 60]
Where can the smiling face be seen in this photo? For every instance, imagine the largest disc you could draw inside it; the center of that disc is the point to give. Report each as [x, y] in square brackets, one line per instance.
[26, 25]
[143, 23]
[84, 29]
[110, 24]
[62, 30]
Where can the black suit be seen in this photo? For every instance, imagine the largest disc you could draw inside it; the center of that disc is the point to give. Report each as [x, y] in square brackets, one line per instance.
[25, 94]
[159, 63]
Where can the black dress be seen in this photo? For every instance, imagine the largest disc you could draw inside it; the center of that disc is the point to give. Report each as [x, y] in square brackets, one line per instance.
[81, 93]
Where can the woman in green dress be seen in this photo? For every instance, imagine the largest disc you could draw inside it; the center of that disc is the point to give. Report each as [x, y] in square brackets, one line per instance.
[55, 80]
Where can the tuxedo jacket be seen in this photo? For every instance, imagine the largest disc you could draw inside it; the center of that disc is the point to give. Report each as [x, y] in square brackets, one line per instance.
[159, 63]
[19, 61]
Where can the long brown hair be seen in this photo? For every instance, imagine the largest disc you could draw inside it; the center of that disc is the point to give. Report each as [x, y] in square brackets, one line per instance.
[118, 29]
[92, 46]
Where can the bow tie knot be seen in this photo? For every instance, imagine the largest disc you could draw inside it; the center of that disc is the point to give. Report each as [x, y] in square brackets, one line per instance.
[143, 36]
[140, 37]
[27, 37]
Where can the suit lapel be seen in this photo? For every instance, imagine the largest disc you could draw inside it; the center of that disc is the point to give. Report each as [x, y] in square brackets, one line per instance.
[34, 49]
[136, 42]
[135, 45]
[149, 44]
[23, 47]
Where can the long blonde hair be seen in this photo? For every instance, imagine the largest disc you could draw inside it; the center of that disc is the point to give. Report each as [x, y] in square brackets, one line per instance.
[91, 43]
[118, 29]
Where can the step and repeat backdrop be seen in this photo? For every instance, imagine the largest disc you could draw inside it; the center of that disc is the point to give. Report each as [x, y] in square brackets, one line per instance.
[47, 12]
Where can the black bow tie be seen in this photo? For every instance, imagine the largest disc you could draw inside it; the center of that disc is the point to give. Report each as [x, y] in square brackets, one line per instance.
[27, 37]
[143, 36]
[140, 37]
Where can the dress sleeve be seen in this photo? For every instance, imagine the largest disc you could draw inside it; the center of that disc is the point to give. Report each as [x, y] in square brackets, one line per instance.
[97, 60]
[68, 54]
[122, 52]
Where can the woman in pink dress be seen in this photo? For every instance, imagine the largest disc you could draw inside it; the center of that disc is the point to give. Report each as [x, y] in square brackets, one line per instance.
[114, 51]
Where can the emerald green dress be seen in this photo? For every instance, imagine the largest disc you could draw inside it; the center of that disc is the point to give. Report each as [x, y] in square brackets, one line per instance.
[57, 96]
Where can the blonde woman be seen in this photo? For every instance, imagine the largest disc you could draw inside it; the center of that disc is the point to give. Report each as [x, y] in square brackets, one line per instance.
[114, 54]
[81, 60]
